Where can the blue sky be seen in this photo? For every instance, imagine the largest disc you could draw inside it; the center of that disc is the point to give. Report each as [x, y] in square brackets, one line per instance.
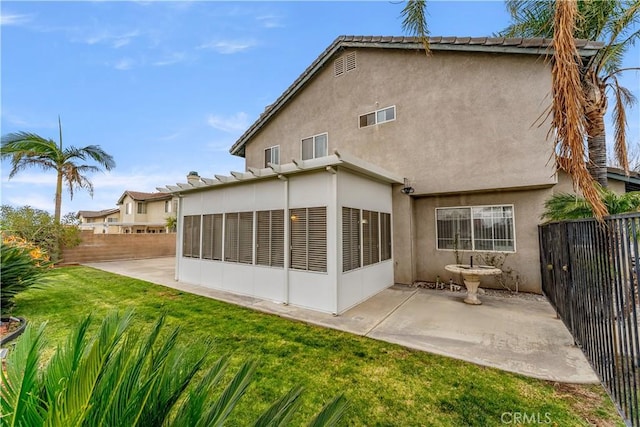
[167, 87]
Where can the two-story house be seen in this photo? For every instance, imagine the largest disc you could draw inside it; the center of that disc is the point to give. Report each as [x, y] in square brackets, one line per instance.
[145, 212]
[380, 165]
[100, 222]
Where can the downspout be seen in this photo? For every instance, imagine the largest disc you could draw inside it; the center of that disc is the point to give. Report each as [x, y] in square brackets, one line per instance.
[179, 231]
[287, 240]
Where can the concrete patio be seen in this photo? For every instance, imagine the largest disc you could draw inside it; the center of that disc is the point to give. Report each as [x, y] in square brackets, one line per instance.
[520, 335]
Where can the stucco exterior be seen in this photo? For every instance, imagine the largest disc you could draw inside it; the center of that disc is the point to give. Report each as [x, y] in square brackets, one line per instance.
[465, 122]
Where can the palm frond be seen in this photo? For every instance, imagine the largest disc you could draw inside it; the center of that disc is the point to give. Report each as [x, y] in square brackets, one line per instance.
[530, 18]
[622, 99]
[332, 413]
[20, 386]
[568, 121]
[281, 412]
[414, 21]
[563, 206]
[232, 393]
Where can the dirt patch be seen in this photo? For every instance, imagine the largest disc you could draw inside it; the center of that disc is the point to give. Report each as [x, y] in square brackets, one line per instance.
[587, 401]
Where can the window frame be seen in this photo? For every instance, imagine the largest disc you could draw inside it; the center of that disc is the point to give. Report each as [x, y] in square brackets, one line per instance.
[141, 208]
[375, 115]
[472, 228]
[313, 145]
[271, 149]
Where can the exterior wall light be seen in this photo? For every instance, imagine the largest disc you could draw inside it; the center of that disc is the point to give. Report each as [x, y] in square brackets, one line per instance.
[294, 218]
[407, 189]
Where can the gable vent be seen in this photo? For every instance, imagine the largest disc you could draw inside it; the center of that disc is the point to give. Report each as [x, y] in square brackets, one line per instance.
[338, 67]
[351, 61]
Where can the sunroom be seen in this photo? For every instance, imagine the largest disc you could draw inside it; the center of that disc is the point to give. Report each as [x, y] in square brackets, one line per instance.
[315, 234]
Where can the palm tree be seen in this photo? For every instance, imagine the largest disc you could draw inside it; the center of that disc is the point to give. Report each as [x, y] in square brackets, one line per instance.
[30, 150]
[580, 89]
[118, 376]
[563, 206]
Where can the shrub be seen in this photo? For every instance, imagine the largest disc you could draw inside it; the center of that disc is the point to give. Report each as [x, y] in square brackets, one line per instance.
[22, 266]
[116, 377]
[38, 226]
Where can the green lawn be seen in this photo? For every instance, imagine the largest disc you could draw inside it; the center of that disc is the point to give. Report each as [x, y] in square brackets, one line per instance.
[386, 384]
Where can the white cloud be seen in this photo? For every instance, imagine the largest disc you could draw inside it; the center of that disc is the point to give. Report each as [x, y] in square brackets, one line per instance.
[270, 21]
[227, 47]
[123, 64]
[232, 124]
[14, 19]
[114, 39]
[174, 58]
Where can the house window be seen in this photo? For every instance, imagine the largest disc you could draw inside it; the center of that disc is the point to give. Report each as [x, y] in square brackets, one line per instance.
[142, 208]
[238, 240]
[190, 236]
[315, 146]
[270, 238]
[272, 155]
[379, 116]
[112, 219]
[167, 206]
[308, 231]
[370, 238]
[476, 228]
[128, 208]
[350, 239]
[212, 237]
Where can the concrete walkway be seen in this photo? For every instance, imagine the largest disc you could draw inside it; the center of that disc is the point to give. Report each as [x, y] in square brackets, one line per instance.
[513, 334]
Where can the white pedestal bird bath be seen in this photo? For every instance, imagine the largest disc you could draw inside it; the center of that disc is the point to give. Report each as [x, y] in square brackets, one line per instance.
[471, 276]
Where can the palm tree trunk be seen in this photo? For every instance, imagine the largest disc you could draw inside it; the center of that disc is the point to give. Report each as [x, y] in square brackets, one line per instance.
[595, 108]
[598, 158]
[58, 208]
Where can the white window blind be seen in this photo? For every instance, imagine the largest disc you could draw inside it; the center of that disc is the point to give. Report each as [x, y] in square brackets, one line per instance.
[385, 236]
[370, 238]
[212, 237]
[270, 238]
[191, 236]
[308, 238]
[232, 222]
[350, 239]
[238, 239]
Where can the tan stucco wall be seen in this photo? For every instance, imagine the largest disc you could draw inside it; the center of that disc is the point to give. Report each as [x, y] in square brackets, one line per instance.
[464, 121]
[528, 206]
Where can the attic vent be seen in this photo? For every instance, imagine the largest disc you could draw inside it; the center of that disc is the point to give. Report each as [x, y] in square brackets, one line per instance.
[351, 61]
[344, 63]
[338, 67]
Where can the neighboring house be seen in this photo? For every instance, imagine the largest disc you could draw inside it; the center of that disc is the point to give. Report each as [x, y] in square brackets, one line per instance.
[145, 212]
[381, 164]
[100, 222]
